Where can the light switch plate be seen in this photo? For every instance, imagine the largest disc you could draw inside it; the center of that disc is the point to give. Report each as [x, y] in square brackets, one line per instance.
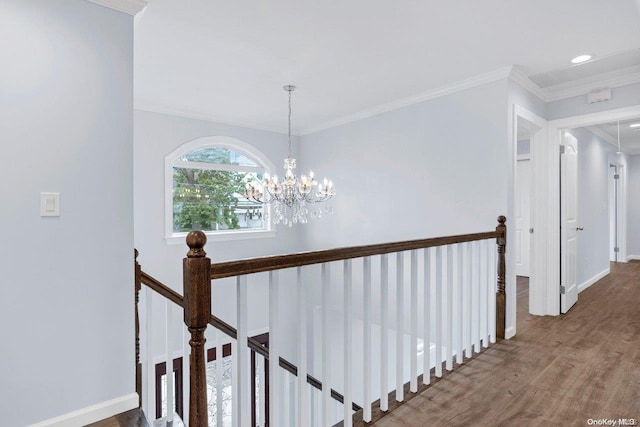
[49, 204]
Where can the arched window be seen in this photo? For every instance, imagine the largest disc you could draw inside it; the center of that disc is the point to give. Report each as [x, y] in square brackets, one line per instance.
[205, 181]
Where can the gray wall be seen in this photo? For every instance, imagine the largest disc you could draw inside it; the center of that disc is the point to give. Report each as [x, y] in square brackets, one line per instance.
[633, 206]
[593, 204]
[67, 305]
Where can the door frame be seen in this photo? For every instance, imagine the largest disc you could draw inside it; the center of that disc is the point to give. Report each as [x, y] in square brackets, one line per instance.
[621, 163]
[538, 144]
[551, 199]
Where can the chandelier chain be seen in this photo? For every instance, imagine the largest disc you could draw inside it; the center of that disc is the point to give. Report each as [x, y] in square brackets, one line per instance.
[289, 122]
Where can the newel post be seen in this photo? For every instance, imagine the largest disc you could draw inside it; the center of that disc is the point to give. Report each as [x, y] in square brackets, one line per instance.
[197, 311]
[137, 286]
[502, 271]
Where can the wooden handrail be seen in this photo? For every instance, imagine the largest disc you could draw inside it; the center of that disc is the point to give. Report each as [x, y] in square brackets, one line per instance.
[241, 267]
[162, 289]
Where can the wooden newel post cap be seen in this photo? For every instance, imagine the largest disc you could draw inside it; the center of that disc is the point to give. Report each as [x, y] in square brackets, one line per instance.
[196, 241]
[502, 219]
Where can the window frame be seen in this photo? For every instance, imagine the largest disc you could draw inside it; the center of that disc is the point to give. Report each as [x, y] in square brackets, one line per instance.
[233, 144]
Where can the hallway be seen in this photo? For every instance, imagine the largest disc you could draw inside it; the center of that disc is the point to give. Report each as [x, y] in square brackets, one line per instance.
[560, 370]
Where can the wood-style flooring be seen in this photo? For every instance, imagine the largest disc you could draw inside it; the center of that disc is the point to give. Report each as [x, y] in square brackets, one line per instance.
[558, 371]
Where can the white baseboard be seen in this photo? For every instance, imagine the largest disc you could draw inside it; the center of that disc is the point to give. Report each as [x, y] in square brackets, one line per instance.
[594, 279]
[633, 257]
[93, 413]
[510, 332]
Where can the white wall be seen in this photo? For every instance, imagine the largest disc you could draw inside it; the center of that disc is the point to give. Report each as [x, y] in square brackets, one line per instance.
[593, 205]
[67, 303]
[633, 206]
[155, 136]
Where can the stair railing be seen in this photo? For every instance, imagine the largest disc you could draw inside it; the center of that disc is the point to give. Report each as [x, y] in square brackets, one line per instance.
[461, 294]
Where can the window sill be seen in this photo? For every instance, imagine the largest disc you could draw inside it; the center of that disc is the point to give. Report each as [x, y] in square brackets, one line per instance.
[220, 236]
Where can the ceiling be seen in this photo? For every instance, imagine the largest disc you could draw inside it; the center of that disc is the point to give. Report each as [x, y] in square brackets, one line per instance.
[228, 60]
[629, 137]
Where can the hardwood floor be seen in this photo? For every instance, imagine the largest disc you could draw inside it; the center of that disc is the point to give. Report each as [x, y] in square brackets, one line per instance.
[132, 418]
[561, 370]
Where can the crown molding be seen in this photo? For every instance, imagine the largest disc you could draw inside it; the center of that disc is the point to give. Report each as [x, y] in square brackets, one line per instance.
[602, 135]
[519, 77]
[153, 108]
[478, 80]
[613, 79]
[132, 7]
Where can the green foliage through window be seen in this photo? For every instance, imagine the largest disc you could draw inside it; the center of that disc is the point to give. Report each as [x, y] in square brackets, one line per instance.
[210, 198]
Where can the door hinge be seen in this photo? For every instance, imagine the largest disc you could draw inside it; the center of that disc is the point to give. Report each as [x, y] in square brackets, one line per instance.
[616, 176]
[616, 249]
[562, 149]
[562, 290]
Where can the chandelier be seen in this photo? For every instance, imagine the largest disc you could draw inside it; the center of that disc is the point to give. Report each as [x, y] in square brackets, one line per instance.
[294, 199]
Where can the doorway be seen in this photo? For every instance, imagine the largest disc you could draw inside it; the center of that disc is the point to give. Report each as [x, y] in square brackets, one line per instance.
[529, 138]
[556, 253]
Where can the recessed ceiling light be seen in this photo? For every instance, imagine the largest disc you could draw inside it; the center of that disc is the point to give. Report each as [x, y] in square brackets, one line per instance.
[580, 59]
[635, 125]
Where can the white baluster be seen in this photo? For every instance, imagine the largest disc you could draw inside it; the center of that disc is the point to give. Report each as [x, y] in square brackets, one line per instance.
[413, 346]
[185, 372]
[149, 392]
[476, 296]
[219, 378]
[243, 381]
[169, 359]
[493, 267]
[468, 307]
[428, 271]
[287, 398]
[366, 412]
[262, 404]
[439, 302]
[303, 387]
[384, 332]
[449, 302]
[484, 315]
[326, 353]
[459, 305]
[400, 326]
[275, 418]
[235, 387]
[347, 405]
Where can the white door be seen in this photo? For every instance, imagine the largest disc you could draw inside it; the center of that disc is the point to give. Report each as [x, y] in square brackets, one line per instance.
[523, 217]
[568, 222]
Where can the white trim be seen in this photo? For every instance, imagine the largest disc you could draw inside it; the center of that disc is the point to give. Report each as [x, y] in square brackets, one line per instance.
[509, 332]
[458, 86]
[519, 77]
[132, 7]
[234, 144]
[93, 413]
[633, 257]
[537, 290]
[584, 285]
[613, 79]
[626, 76]
[177, 112]
[221, 236]
[602, 135]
